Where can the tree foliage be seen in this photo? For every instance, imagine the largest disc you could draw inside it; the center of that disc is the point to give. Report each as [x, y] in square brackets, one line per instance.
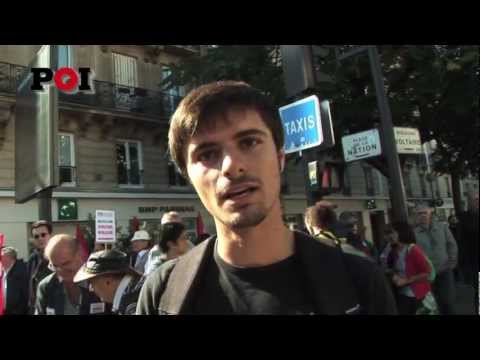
[433, 88]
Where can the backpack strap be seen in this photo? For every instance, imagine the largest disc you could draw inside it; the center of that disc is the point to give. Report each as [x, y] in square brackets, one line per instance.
[182, 280]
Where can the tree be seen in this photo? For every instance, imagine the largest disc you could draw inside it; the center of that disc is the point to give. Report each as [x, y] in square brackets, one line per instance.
[258, 65]
[433, 88]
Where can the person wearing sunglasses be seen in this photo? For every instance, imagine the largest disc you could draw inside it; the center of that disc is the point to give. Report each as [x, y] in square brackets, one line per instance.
[37, 265]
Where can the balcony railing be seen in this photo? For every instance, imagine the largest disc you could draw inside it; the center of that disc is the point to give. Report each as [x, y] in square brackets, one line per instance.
[125, 98]
[130, 177]
[68, 174]
[9, 75]
[107, 96]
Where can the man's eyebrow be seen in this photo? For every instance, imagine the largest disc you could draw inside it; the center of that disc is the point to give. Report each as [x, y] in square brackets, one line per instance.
[250, 132]
[240, 134]
[204, 146]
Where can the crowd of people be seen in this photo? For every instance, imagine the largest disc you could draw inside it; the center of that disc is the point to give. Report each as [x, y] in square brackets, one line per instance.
[226, 138]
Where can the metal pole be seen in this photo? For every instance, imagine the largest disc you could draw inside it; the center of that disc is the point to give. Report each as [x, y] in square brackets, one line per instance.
[398, 199]
[45, 205]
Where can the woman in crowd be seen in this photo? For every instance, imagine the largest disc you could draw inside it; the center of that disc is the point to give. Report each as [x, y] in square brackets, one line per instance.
[408, 268]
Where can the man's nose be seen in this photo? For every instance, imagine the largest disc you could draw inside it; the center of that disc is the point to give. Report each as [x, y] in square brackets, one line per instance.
[232, 165]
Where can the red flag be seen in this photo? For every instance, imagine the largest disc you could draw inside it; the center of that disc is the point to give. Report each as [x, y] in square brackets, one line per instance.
[2, 300]
[200, 226]
[135, 224]
[83, 243]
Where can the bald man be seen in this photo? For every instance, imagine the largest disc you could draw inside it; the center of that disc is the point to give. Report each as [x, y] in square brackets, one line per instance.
[171, 216]
[57, 294]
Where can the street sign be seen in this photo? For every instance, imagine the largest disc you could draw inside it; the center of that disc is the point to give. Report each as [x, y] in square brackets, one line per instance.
[302, 124]
[105, 230]
[36, 119]
[361, 145]
[407, 140]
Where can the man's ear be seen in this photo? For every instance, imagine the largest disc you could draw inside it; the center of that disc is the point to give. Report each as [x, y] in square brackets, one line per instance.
[281, 160]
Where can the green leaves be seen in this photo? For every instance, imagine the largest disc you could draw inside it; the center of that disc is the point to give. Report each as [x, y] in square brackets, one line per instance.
[438, 81]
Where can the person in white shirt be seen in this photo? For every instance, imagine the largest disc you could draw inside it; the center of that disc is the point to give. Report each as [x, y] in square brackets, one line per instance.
[141, 244]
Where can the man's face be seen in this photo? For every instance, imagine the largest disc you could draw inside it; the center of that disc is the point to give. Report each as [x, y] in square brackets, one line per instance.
[65, 263]
[139, 245]
[181, 246]
[235, 168]
[102, 287]
[392, 237]
[7, 261]
[424, 216]
[41, 235]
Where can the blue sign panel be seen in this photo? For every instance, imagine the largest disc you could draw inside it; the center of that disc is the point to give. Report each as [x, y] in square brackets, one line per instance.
[302, 124]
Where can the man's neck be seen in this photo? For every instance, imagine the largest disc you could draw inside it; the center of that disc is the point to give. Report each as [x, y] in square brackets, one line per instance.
[73, 291]
[115, 285]
[267, 243]
[172, 254]
[8, 269]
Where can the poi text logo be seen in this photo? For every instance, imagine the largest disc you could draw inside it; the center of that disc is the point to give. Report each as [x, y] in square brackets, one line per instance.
[66, 79]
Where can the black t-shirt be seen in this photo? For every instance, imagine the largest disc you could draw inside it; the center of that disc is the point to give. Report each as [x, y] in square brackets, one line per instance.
[273, 289]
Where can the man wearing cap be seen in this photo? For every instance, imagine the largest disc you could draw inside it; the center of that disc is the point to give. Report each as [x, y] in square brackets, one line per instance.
[57, 294]
[440, 246]
[141, 244]
[113, 280]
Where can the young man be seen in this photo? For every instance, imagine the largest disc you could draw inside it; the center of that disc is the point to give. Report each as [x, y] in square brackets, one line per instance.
[112, 279]
[37, 265]
[227, 139]
[173, 243]
[57, 294]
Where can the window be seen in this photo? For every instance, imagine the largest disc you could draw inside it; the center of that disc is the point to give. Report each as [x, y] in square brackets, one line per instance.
[66, 159]
[449, 188]
[347, 186]
[129, 163]
[407, 183]
[369, 179]
[125, 70]
[173, 93]
[65, 58]
[437, 188]
[174, 177]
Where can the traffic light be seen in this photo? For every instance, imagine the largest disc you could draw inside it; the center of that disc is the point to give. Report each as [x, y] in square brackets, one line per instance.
[325, 177]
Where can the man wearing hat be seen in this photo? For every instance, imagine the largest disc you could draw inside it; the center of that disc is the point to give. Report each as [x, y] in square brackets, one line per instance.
[141, 244]
[113, 280]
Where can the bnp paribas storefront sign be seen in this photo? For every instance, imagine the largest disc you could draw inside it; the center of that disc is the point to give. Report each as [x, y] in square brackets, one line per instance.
[164, 209]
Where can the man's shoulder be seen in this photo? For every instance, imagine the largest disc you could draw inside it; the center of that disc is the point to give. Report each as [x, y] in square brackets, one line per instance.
[32, 257]
[160, 274]
[48, 281]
